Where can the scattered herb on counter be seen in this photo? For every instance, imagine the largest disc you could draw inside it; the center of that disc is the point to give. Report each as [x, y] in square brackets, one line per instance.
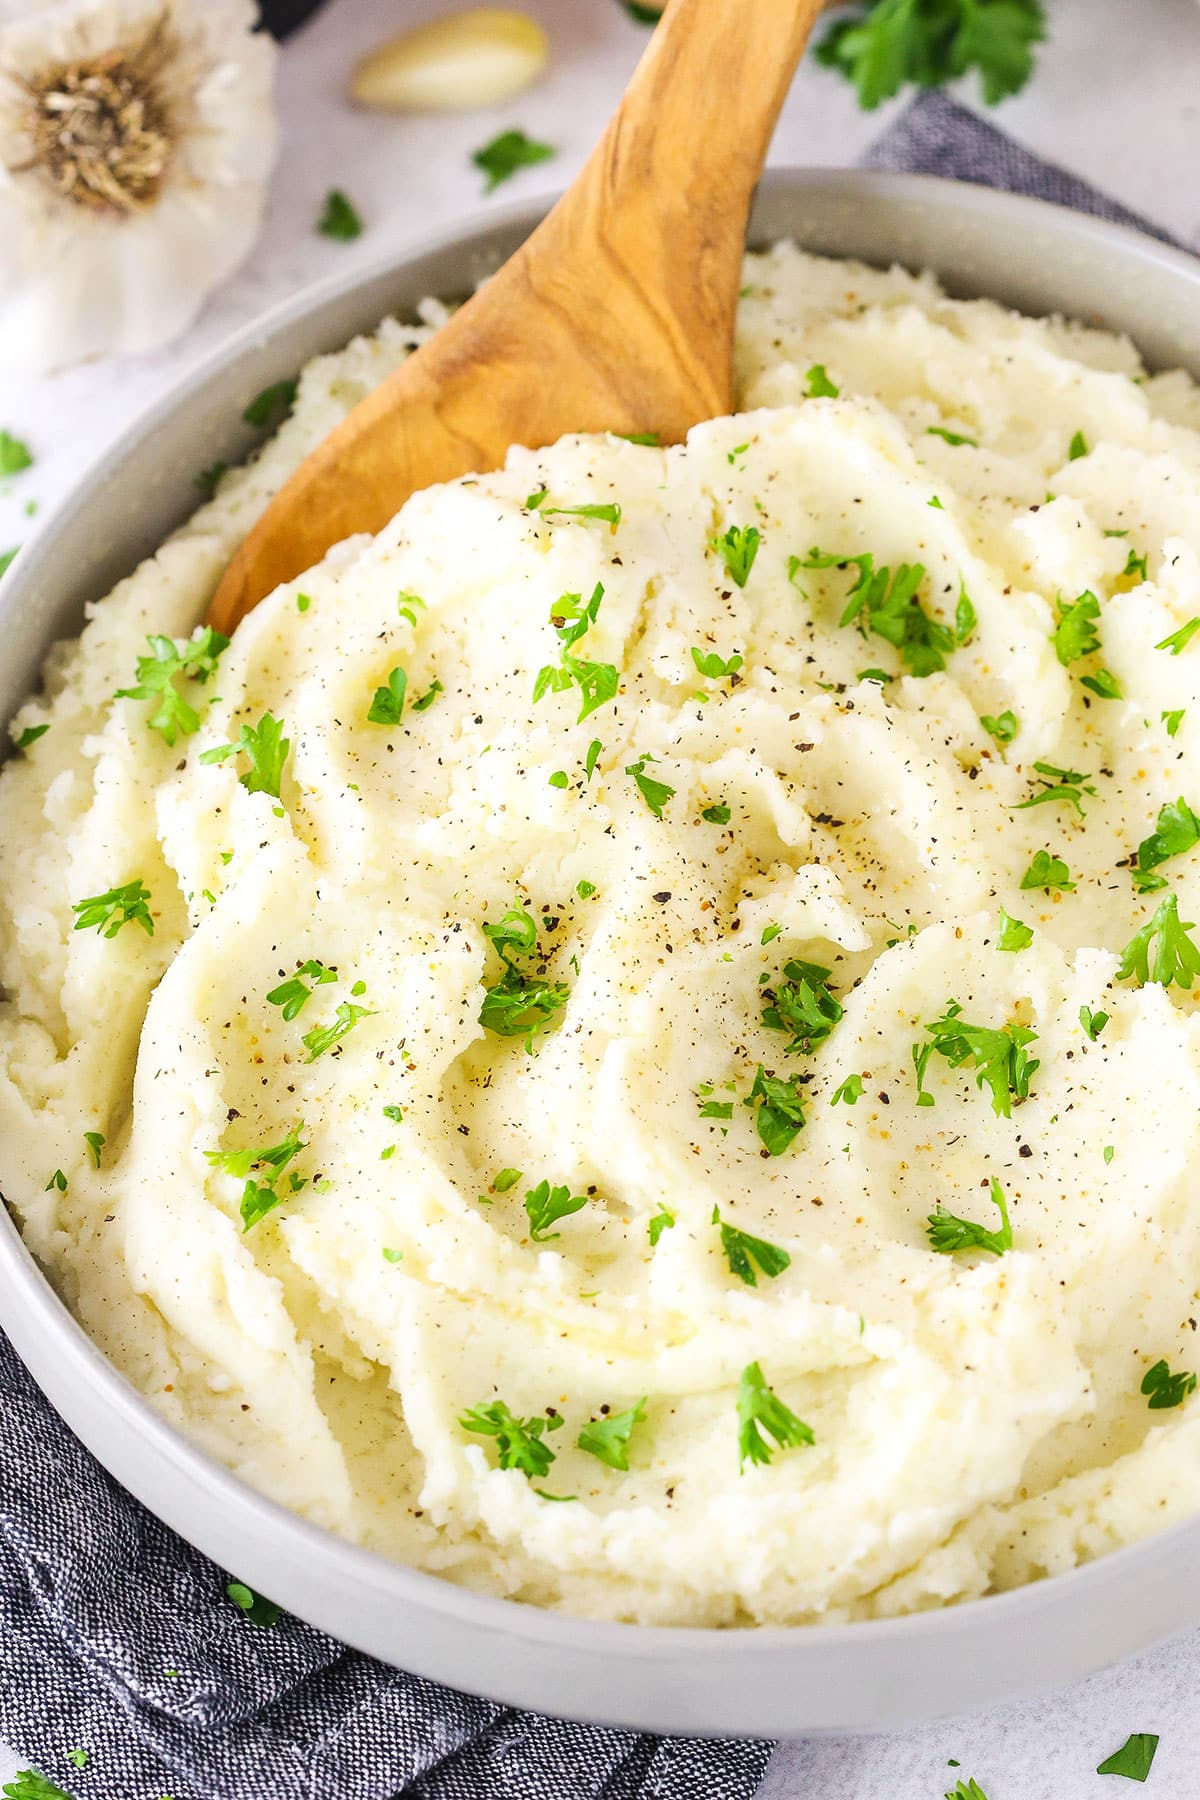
[107, 912]
[1002, 726]
[256, 1607]
[272, 405]
[27, 1784]
[951, 437]
[887, 605]
[654, 793]
[947, 1233]
[1014, 933]
[1176, 958]
[292, 994]
[1179, 640]
[715, 1109]
[758, 1405]
[885, 44]
[662, 1221]
[194, 659]
[387, 708]
[572, 617]
[819, 385]
[267, 749]
[546, 1205]
[715, 667]
[323, 1037]
[966, 1790]
[742, 1252]
[802, 1004]
[1046, 871]
[79, 1758]
[95, 1141]
[520, 1004]
[511, 151]
[15, 454]
[780, 1109]
[1069, 785]
[997, 1054]
[1133, 1759]
[737, 550]
[1176, 830]
[30, 735]
[518, 1441]
[965, 617]
[339, 219]
[1164, 1389]
[1093, 1022]
[608, 1437]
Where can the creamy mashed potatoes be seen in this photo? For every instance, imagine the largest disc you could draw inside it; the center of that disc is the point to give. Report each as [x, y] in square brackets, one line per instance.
[487, 1264]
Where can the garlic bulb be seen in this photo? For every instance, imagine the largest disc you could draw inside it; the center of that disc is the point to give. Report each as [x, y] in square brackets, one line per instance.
[473, 58]
[136, 140]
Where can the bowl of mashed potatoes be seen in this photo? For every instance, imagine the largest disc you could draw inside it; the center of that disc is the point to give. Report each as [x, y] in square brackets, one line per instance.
[602, 1102]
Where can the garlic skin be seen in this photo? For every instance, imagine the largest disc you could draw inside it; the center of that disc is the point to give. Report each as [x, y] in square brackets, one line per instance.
[136, 141]
[474, 58]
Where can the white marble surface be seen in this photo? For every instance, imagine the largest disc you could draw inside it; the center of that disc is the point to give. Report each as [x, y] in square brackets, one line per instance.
[1116, 100]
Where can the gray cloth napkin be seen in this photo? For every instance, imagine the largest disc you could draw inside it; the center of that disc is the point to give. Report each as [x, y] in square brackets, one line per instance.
[118, 1639]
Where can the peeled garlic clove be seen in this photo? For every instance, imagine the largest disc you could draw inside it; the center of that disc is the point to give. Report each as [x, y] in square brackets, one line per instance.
[473, 58]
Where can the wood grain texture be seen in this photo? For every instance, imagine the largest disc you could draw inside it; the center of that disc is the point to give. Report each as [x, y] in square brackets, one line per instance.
[616, 314]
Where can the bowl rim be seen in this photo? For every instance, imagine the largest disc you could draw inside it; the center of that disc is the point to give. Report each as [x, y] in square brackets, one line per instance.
[125, 1431]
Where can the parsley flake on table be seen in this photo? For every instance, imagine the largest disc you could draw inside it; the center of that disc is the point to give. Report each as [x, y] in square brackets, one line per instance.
[1179, 640]
[27, 1784]
[997, 1053]
[597, 682]
[715, 667]
[1002, 726]
[780, 1109]
[1177, 829]
[259, 1610]
[819, 385]
[507, 153]
[887, 604]
[546, 1205]
[1069, 785]
[1164, 1389]
[742, 1252]
[292, 994]
[78, 1758]
[1046, 871]
[267, 750]
[273, 403]
[607, 1438]
[1175, 957]
[518, 1441]
[737, 550]
[654, 793]
[947, 1233]
[1014, 933]
[519, 1004]
[387, 708]
[119, 906]
[323, 1037]
[802, 1004]
[15, 454]
[759, 1406]
[193, 659]
[662, 1221]
[339, 218]
[966, 1790]
[885, 43]
[1133, 1759]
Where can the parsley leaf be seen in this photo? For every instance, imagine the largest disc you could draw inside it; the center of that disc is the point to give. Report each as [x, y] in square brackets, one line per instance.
[27, 1784]
[258, 1610]
[518, 1441]
[1014, 933]
[511, 151]
[781, 1109]
[819, 385]
[1046, 871]
[1103, 684]
[1133, 1759]
[610, 513]
[1059, 784]
[546, 1205]
[886, 43]
[608, 1438]
[1078, 447]
[850, 1091]
[997, 1054]
[715, 815]
[1177, 830]
[1075, 632]
[597, 682]
[387, 707]
[155, 675]
[6, 558]
[946, 1233]
[267, 749]
[1172, 721]
[428, 697]
[32, 733]
[209, 480]
[271, 403]
[14, 454]
[95, 1141]
[1003, 726]
[737, 550]
[1164, 1389]
[338, 218]
[742, 1252]
[119, 906]
[966, 1790]
[292, 994]
[662, 1221]
[887, 605]
[759, 1405]
[713, 666]
[1176, 957]
[323, 1037]
[951, 437]
[965, 617]
[519, 1004]
[654, 793]
[240, 1163]
[803, 1005]
[1179, 640]
[1093, 1022]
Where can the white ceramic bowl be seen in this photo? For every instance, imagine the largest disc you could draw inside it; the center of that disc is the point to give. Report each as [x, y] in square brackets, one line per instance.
[772, 1680]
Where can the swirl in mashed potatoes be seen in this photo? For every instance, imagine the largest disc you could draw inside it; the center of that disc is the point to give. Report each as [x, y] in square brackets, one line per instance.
[634, 1033]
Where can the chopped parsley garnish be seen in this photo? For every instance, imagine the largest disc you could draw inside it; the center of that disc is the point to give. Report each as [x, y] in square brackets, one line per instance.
[507, 1178]
[261, 1198]
[1077, 447]
[27, 1784]
[946, 1233]
[323, 1037]
[1164, 1389]
[1075, 632]
[256, 1607]
[95, 1141]
[662, 1221]
[1093, 1022]
[1103, 684]
[267, 750]
[609, 513]
[819, 385]
[408, 605]
[387, 708]
[1179, 640]
[997, 1054]
[884, 43]
[1059, 784]
[608, 1437]
[965, 617]
[393, 1256]
[968, 1790]
[511, 151]
[743, 1251]
[648, 438]
[1014, 933]
[6, 558]
[780, 1111]
[546, 1205]
[758, 1405]
[849, 1092]
[274, 401]
[57, 1180]
[292, 994]
[303, 602]
[1002, 726]
[715, 667]
[1172, 721]
[716, 1109]
[338, 218]
[519, 1004]
[737, 550]
[597, 682]
[30, 735]
[1177, 830]
[1046, 871]
[78, 1758]
[951, 437]
[428, 697]
[15, 455]
[1176, 958]
[1133, 1759]
[119, 906]
[518, 1441]
[209, 480]
[654, 793]
[715, 815]
[803, 1005]
[155, 675]
[1135, 564]
[887, 605]
[241, 1163]
[585, 889]
[592, 757]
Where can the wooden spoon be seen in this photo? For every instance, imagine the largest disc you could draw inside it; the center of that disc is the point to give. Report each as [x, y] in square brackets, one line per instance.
[617, 314]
